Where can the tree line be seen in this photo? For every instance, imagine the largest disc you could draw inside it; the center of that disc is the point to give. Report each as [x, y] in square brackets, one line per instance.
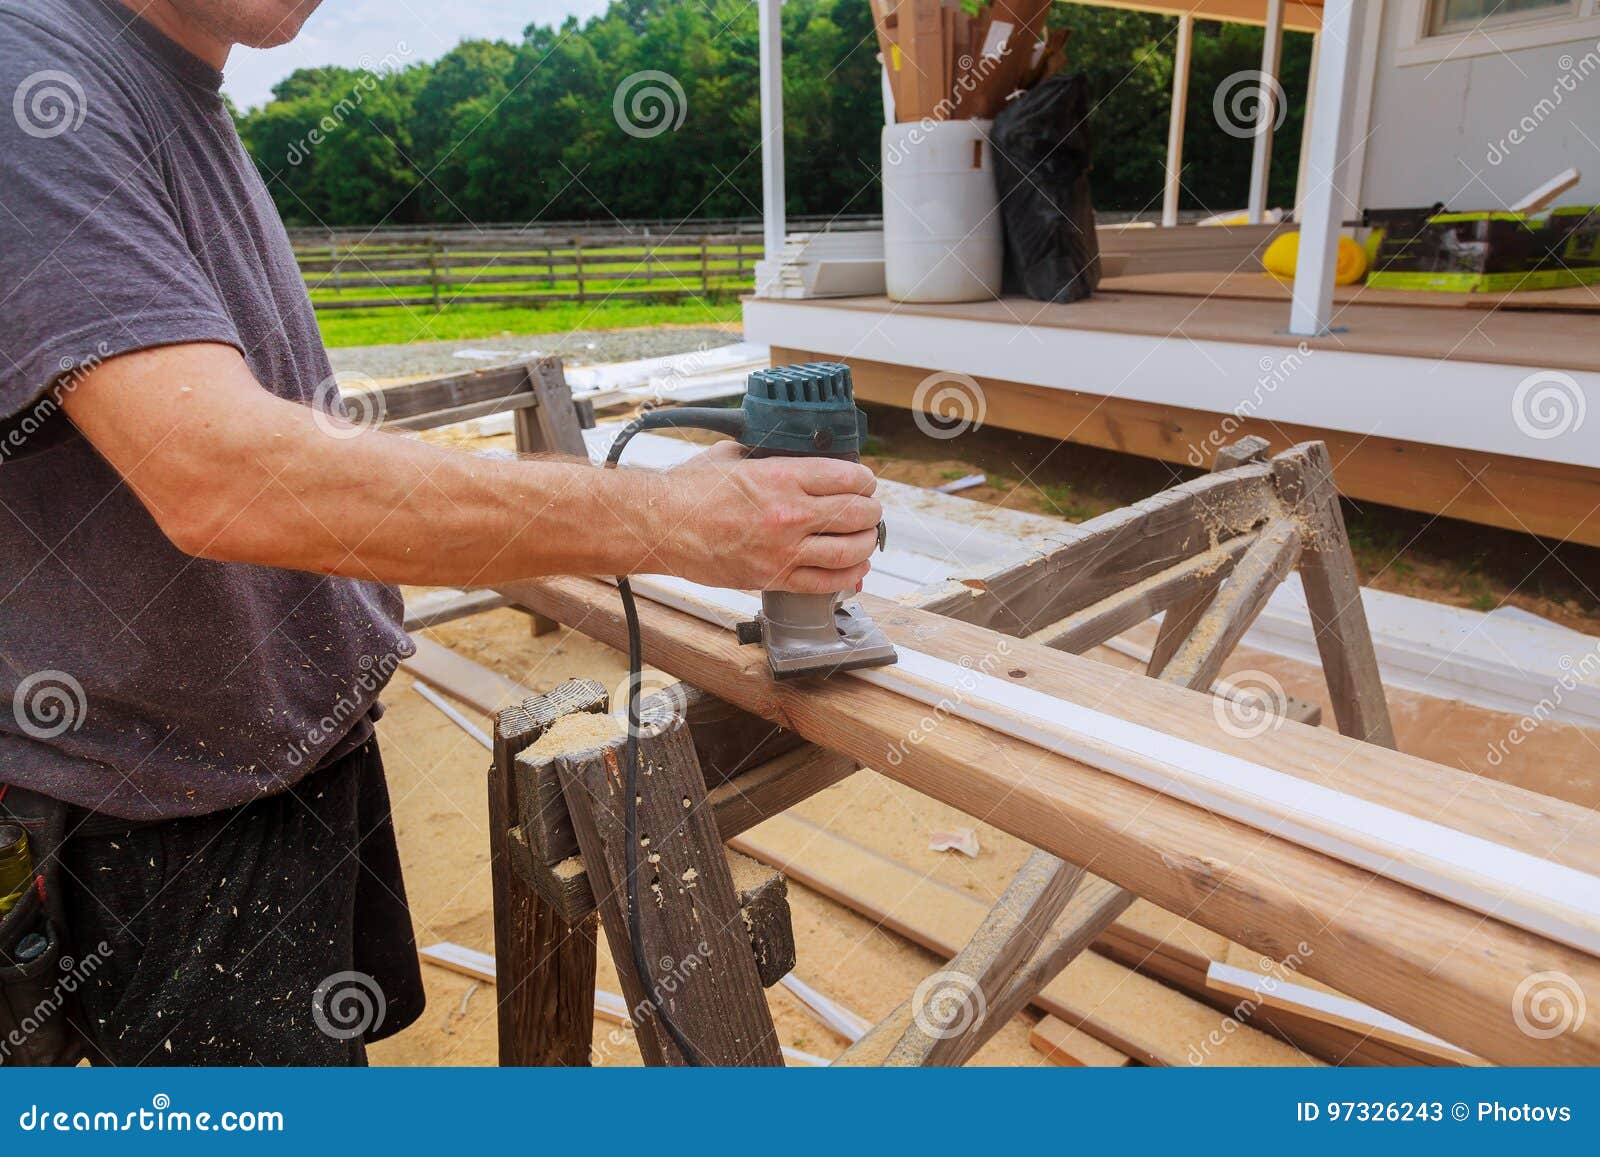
[652, 109]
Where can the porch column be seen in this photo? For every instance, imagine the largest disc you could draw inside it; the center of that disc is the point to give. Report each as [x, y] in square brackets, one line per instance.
[1180, 99]
[1261, 160]
[1312, 306]
[1305, 129]
[771, 53]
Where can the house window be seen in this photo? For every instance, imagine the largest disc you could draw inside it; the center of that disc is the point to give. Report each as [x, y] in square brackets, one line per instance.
[1453, 16]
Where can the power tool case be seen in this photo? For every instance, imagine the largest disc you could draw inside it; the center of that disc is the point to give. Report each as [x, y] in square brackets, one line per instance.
[39, 1011]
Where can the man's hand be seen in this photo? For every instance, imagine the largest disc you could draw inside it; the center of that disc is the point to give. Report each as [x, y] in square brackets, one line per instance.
[234, 474]
[795, 524]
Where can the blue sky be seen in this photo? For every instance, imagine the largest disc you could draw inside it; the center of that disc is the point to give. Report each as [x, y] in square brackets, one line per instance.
[362, 33]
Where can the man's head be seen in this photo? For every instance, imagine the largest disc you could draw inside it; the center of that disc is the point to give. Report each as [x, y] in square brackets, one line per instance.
[253, 23]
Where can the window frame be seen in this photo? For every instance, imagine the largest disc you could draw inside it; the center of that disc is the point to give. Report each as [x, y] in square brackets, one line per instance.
[1422, 43]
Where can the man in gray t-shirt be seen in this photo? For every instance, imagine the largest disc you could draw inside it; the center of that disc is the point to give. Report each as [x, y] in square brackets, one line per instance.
[196, 547]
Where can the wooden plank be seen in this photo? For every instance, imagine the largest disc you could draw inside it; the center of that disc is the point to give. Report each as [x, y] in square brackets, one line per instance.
[1478, 860]
[1378, 941]
[950, 1015]
[1132, 605]
[554, 427]
[543, 1008]
[1333, 595]
[1119, 549]
[446, 606]
[1073, 1048]
[1527, 495]
[688, 910]
[1333, 1009]
[763, 898]
[1122, 1008]
[1263, 567]
[458, 676]
[502, 388]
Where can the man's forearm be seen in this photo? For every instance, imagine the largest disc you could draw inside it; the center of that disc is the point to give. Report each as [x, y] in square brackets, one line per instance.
[232, 473]
[397, 509]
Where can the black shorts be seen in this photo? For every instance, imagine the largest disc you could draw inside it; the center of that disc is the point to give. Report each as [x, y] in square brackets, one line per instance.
[276, 933]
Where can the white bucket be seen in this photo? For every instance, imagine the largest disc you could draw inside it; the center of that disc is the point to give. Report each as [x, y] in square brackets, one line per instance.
[941, 218]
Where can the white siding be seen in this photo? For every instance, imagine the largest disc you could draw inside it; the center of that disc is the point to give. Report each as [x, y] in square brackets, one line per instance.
[1448, 130]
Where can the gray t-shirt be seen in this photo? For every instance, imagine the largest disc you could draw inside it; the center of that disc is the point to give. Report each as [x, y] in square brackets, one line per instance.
[135, 680]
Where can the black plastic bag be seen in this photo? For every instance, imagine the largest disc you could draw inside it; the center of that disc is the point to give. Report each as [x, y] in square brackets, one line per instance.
[1042, 152]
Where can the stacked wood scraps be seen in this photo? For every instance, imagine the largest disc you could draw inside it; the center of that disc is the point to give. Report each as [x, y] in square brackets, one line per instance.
[844, 264]
[945, 63]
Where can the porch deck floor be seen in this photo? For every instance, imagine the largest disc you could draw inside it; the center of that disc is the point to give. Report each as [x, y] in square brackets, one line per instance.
[1494, 335]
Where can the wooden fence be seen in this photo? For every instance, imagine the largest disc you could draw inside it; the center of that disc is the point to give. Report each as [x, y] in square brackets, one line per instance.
[529, 265]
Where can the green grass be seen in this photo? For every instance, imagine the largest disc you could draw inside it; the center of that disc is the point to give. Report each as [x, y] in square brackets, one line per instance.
[396, 325]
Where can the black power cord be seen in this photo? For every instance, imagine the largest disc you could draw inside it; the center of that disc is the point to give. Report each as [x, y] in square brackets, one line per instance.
[728, 422]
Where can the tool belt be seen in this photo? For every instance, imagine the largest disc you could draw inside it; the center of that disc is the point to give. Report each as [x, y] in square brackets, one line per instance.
[40, 1017]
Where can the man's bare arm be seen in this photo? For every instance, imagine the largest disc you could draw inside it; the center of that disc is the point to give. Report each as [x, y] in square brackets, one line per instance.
[231, 472]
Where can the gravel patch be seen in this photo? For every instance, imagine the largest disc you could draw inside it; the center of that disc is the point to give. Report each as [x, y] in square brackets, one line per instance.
[578, 347]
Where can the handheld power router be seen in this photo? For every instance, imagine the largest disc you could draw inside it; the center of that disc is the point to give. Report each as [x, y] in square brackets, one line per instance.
[804, 411]
[793, 411]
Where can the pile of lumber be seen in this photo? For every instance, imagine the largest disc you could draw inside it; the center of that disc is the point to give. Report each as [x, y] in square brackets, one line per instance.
[943, 63]
[847, 264]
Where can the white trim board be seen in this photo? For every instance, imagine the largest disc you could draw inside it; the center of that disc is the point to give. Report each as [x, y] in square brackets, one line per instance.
[1467, 405]
[1542, 896]
[1331, 1009]
[1505, 662]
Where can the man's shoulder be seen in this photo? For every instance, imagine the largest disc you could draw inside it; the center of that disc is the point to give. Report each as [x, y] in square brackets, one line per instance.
[71, 34]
